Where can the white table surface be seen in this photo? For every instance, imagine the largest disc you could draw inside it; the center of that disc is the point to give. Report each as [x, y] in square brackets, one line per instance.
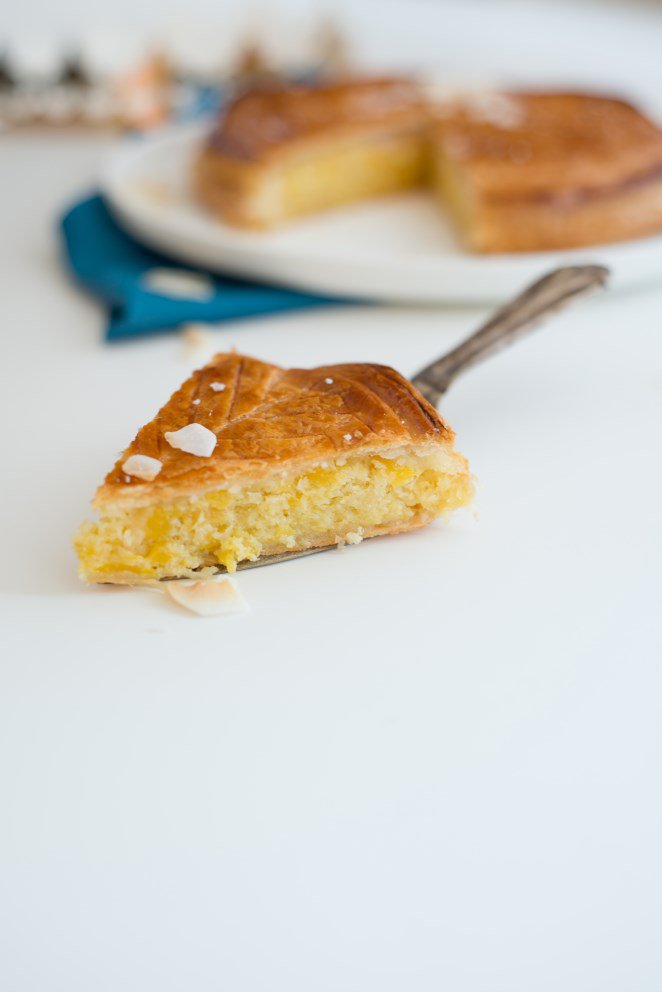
[430, 762]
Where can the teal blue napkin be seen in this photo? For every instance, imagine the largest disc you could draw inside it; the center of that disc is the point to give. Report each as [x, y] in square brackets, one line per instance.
[121, 273]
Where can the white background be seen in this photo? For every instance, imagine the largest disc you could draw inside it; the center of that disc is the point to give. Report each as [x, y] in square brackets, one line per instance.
[604, 43]
[430, 762]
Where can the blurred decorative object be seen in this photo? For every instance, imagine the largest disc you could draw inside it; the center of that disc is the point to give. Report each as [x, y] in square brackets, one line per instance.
[145, 94]
[332, 48]
[112, 79]
[6, 91]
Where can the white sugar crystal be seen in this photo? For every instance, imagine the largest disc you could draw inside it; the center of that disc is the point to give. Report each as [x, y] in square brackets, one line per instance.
[209, 598]
[142, 467]
[194, 439]
[347, 437]
[328, 381]
[218, 387]
[196, 402]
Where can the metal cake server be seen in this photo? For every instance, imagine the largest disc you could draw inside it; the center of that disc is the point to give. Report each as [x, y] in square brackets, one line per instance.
[540, 300]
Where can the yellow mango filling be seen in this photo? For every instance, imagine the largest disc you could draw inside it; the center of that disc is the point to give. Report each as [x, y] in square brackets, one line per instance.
[453, 191]
[331, 178]
[329, 503]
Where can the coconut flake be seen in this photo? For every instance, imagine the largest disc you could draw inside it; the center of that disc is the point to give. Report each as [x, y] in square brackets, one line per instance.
[194, 439]
[179, 284]
[494, 108]
[142, 467]
[199, 342]
[208, 598]
[480, 104]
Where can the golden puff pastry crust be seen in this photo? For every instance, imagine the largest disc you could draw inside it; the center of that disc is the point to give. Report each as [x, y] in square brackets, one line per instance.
[290, 459]
[519, 171]
[266, 122]
[286, 151]
[265, 416]
[549, 170]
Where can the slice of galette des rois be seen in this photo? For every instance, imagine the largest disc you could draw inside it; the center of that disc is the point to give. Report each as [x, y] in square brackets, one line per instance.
[248, 460]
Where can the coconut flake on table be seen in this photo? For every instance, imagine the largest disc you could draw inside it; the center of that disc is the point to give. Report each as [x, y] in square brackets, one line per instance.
[199, 342]
[208, 598]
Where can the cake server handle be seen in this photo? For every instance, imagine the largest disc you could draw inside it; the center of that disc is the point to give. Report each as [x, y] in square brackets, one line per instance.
[541, 299]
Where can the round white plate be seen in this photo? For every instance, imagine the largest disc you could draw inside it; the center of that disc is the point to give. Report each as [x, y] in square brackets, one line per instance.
[399, 248]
